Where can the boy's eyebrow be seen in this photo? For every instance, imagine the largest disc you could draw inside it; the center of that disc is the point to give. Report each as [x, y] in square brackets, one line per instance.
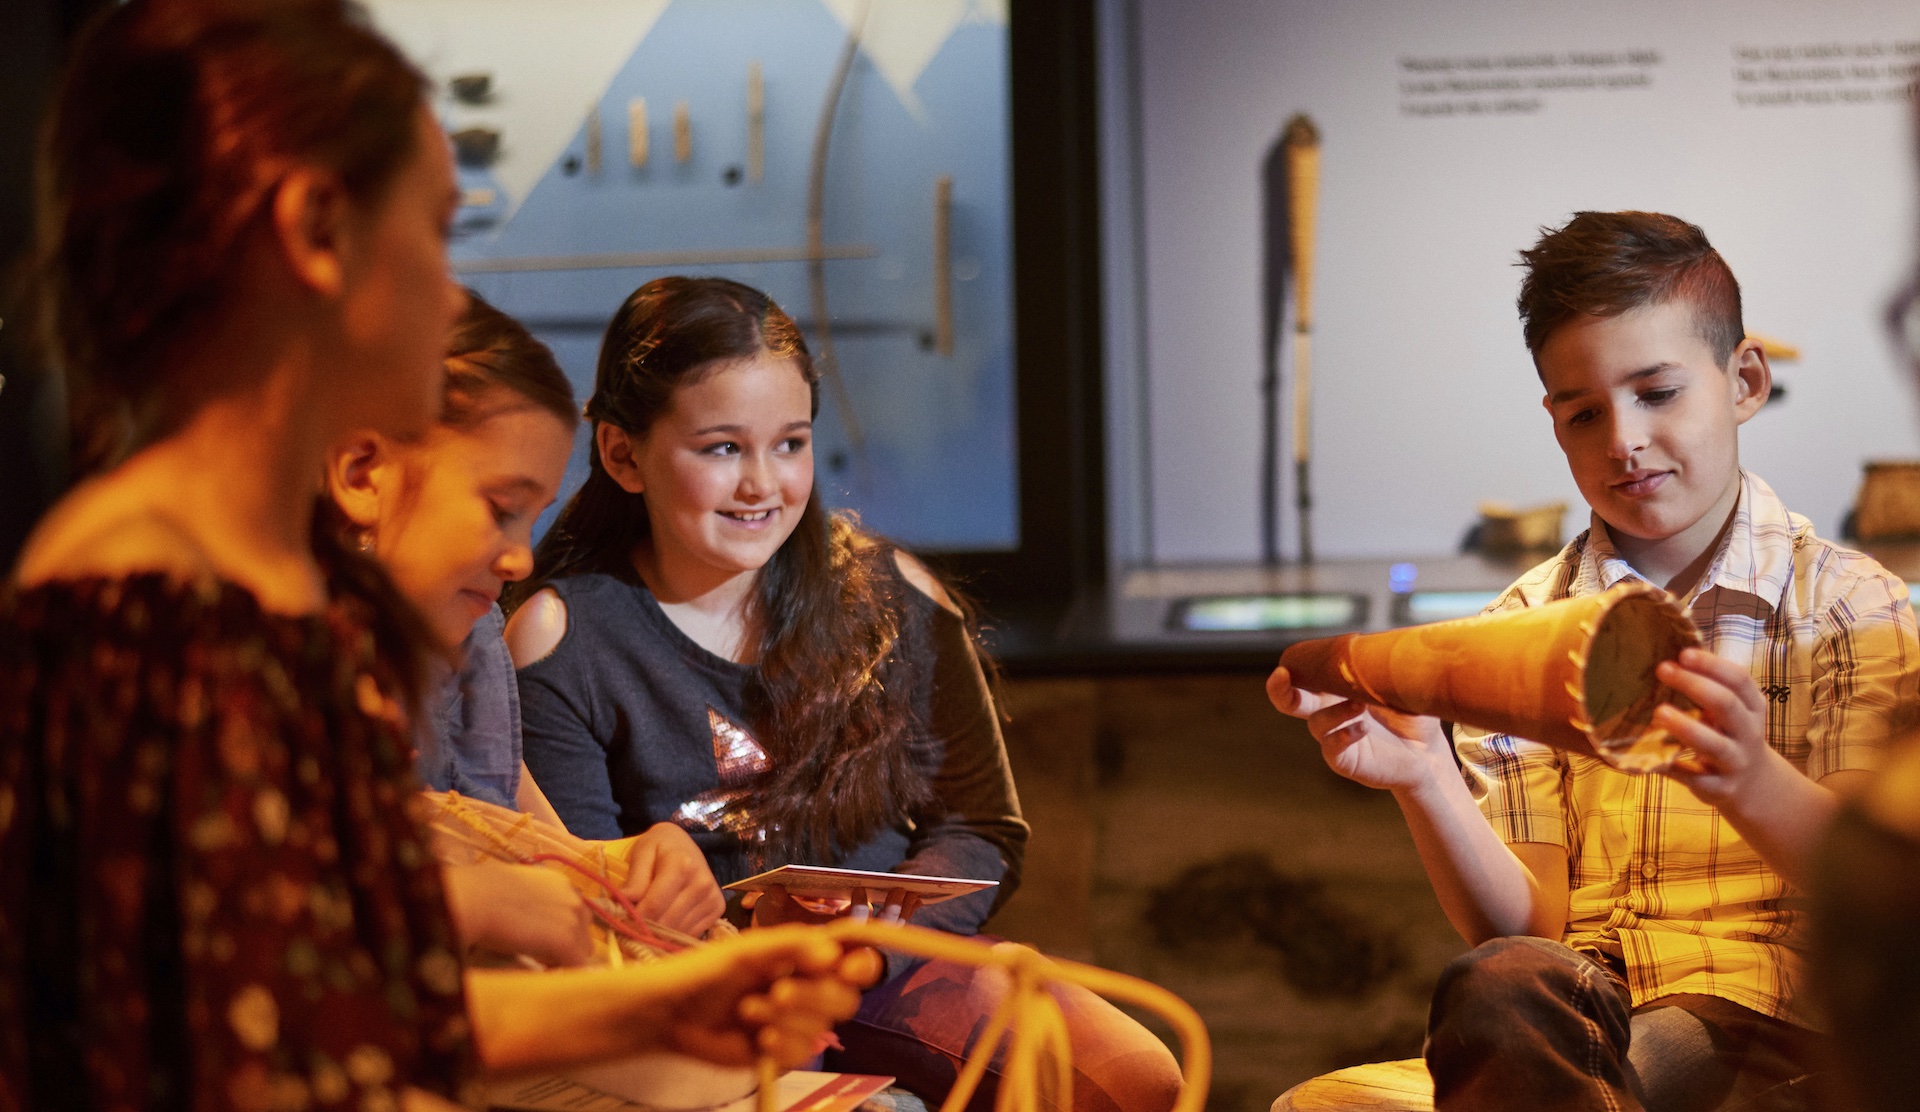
[1644, 372]
[735, 430]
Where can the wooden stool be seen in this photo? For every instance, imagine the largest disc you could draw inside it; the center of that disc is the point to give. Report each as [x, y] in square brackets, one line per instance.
[1401, 1086]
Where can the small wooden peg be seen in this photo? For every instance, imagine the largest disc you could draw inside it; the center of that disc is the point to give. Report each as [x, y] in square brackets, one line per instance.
[594, 139]
[756, 123]
[943, 264]
[636, 131]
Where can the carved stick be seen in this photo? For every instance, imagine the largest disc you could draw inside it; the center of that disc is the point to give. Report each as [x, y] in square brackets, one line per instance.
[1303, 196]
[943, 264]
[756, 123]
[637, 143]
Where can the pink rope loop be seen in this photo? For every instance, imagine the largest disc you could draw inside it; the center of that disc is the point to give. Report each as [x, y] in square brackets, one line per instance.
[636, 929]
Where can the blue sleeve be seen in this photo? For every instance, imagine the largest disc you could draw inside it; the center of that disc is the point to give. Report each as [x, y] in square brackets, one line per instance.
[476, 750]
[564, 755]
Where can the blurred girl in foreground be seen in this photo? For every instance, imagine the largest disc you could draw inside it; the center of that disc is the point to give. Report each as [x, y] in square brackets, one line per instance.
[210, 893]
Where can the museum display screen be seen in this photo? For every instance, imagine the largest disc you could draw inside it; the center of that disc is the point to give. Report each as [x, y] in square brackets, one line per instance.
[603, 144]
[1448, 136]
[1421, 607]
[1251, 613]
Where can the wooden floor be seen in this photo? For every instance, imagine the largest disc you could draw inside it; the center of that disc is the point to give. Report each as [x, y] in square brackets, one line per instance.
[1324, 958]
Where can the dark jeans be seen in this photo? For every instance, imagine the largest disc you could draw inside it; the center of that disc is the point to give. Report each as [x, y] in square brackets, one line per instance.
[1531, 1025]
[920, 1025]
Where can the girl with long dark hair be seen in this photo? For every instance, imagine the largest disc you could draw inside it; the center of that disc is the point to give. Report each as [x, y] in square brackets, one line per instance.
[703, 643]
[211, 893]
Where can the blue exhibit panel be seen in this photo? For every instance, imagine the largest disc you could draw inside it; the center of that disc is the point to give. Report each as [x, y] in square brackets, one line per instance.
[934, 465]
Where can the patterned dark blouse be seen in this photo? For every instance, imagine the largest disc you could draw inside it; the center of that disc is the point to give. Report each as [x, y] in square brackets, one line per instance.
[211, 894]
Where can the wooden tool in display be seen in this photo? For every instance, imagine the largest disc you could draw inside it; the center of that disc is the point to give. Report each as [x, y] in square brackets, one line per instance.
[682, 132]
[824, 353]
[1303, 200]
[1776, 350]
[1576, 674]
[637, 140]
[943, 265]
[594, 140]
[756, 123]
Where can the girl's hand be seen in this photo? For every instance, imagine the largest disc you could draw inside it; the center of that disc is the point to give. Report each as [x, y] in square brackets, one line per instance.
[668, 879]
[1730, 760]
[773, 992]
[769, 993]
[776, 905]
[519, 909]
[1374, 746]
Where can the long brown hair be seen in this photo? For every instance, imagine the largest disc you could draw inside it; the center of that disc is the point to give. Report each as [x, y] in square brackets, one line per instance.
[836, 713]
[172, 125]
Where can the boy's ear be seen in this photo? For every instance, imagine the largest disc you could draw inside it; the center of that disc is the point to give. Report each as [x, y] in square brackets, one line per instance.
[309, 215]
[360, 472]
[615, 446]
[1751, 380]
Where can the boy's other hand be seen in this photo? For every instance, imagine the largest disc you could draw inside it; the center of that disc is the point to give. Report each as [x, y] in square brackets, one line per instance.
[1369, 745]
[1730, 756]
[669, 881]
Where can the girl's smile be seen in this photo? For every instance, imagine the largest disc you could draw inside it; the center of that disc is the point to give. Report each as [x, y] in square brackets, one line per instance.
[726, 472]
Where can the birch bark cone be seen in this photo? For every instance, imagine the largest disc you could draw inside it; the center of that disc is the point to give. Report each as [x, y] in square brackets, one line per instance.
[1576, 674]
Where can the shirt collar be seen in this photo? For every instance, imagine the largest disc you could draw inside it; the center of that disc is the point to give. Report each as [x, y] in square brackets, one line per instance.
[1755, 557]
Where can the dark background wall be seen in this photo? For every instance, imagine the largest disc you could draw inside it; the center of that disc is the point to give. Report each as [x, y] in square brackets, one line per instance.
[34, 35]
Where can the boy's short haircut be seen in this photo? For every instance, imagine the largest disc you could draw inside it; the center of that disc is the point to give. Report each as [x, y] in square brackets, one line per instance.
[1603, 264]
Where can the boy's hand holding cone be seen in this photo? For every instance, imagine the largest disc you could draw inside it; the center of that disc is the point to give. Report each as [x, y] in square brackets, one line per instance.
[1375, 746]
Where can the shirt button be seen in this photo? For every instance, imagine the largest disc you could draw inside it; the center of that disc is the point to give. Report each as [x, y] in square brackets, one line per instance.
[1649, 872]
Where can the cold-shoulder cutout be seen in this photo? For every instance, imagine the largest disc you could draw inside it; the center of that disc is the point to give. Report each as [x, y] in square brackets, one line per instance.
[917, 573]
[537, 628]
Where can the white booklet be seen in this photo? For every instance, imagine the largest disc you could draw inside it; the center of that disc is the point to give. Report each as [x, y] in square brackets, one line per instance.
[797, 1091]
[821, 881]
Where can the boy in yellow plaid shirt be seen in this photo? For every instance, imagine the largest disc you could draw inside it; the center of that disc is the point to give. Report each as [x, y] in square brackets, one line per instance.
[1638, 938]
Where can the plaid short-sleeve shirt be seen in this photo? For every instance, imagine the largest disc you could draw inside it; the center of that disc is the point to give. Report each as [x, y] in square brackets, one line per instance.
[1657, 879]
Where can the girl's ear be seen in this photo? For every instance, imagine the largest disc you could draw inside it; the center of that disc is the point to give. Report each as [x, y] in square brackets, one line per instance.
[615, 446]
[309, 220]
[360, 471]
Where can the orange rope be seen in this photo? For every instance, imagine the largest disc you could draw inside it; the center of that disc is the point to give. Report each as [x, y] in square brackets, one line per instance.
[1037, 1075]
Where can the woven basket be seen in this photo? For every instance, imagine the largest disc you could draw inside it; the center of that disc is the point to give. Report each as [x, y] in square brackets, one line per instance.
[1889, 504]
